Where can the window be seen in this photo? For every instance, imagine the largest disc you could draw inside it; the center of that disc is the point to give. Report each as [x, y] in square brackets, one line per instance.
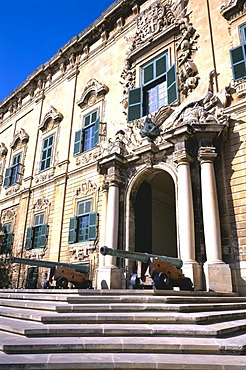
[159, 88]
[36, 235]
[14, 173]
[88, 137]
[83, 227]
[6, 238]
[238, 57]
[46, 153]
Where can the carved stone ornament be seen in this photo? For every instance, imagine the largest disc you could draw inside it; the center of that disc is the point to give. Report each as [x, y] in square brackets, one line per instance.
[86, 188]
[49, 174]
[151, 21]
[9, 216]
[41, 204]
[3, 150]
[154, 20]
[52, 117]
[208, 110]
[93, 87]
[20, 137]
[234, 9]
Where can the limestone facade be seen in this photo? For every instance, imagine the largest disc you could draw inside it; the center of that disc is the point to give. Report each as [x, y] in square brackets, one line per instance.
[133, 136]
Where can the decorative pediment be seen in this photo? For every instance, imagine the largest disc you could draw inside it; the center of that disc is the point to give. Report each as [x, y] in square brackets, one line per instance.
[51, 118]
[93, 91]
[233, 9]
[21, 137]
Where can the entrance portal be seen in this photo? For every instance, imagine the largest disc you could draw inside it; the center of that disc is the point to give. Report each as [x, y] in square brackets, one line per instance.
[155, 222]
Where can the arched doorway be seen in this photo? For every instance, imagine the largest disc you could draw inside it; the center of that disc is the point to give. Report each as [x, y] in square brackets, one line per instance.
[155, 215]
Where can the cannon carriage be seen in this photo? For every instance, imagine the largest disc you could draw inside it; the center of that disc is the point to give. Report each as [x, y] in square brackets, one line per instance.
[165, 272]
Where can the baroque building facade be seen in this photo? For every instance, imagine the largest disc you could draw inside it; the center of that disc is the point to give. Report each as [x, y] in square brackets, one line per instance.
[133, 136]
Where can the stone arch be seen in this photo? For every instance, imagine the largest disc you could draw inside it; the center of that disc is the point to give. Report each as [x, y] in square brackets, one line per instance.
[130, 199]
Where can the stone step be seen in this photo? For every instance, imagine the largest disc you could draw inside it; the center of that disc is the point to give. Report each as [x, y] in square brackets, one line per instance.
[35, 329]
[117, 296]
[120, 307]
[17, 345]
[121, 361]
[122, 317]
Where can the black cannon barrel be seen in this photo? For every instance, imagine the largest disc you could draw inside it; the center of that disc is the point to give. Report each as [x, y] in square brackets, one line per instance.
[83, 268]
[138, 256]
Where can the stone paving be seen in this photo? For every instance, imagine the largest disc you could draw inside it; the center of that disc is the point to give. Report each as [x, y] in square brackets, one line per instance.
[125, 329]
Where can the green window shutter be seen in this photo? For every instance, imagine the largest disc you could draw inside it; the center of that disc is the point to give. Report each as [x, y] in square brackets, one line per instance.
[238, 62]
[172, 88]
[72, 230]
[9, 242]
[78, 142]
[7, 177]
[134, 104]
[148, 73]
[92, 225]
[42, 236]
[161, 66]
[3, 238]
[29, 235]
[96, 134]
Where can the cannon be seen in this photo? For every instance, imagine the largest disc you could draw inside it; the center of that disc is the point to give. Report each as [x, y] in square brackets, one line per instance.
[62, 273]
[165, 271]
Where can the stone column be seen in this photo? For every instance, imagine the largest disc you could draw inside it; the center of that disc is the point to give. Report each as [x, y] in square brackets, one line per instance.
[217, 273]
[112, 221]
[186, 228]
[102, 240]
[109, 276]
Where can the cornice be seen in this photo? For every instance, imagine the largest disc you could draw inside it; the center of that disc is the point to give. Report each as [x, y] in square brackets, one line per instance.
[233, 9]
[120, 9]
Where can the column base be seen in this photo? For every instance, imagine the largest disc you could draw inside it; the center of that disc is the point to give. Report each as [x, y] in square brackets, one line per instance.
[110, 278]
[194, 271]
[218, 277]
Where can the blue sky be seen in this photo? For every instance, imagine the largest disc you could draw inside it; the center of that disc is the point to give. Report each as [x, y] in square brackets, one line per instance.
[32, 31]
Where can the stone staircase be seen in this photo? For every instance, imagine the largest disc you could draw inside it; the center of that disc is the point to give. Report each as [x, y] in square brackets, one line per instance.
[121, 329]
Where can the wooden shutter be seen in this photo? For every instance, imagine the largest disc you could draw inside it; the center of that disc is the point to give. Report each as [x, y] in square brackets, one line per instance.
[42, 236]
[172, 87]
[134, 104]
[72, 230]
[78, 142]
[238, 62]
[29, 235]
[9, 241]
[96, 134]
[7, 177]
[20, 171]
[92, 225]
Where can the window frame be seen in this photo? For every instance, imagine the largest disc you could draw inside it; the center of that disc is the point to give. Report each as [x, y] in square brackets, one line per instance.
[153, 74]
[6, 238]
[36, 235]
[88, 133]
[83, 226]
[238, 56]
[14, 173]
[45, 158]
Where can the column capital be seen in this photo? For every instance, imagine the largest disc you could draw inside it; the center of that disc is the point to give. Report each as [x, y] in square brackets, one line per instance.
[207, 154]
[182, 157]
